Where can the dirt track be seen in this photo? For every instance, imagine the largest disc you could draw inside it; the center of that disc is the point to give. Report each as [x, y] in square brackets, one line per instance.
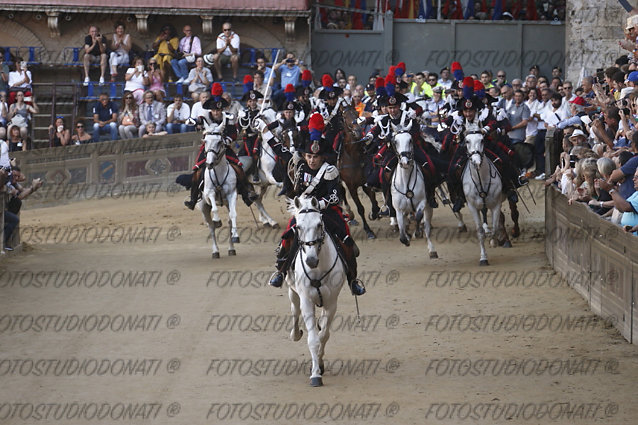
[180, 339]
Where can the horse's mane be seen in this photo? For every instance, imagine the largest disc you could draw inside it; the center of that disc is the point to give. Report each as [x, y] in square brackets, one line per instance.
[290, 207]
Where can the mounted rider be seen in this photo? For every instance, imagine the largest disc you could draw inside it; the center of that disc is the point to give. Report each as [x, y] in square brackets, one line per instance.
[249, 151]
[329, 106]
[474, 116]
[216, 116]
[314, 177]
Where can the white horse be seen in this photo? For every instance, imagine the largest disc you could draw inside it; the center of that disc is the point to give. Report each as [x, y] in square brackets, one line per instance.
[408, 190]
[220, 182]
[318, 277]
[483, 190]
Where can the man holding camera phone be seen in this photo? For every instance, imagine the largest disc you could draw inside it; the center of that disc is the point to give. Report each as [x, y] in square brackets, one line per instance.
[94, 51]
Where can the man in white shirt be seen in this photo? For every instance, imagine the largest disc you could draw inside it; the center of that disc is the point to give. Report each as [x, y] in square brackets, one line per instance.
[198, 110]
[568, 96]
[176, 115]
[191, 46]
[227, 51]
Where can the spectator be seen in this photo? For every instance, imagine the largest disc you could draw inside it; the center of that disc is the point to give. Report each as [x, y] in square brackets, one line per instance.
[588, 88]
[198, 111]
[15, 140]
[94, 51]
[605, 131]
[418, 86]
[59, 134]
[4, 114]
[517, 84]
[176, 115]
[233, 106]
[351, 82]
[104, 118]
[358, 105]
[156, 79]
[518, 114]
[557, 72]
[445, 79]
[288, 74]
[260, 86]
[227, 50]
[20, 113]
[150, 130]
[507, 98]
[120, 47]
[19, 81]
[81, 136]
[486, 79]
[151, 111]
[4, 73]
[128, 119]
[199, 79]
[601, 204]
[166, 45]
[17, 193]
[136, 80]
[261, 66]
[190, 47]
[627, 205]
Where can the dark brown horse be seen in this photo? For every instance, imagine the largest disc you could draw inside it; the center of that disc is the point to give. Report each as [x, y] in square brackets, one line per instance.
[351, 164]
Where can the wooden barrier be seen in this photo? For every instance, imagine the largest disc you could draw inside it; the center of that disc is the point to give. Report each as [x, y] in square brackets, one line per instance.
[597, 258]
[137, 167]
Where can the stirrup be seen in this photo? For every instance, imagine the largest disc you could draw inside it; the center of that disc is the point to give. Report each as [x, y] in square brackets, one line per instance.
[458, 204]
[357, 287]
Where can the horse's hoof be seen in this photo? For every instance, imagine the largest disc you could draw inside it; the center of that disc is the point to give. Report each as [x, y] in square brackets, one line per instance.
[434, 254]
[516, 232]
[507, 244]
[483, 263]
[266, 224]
[418, 234]
[371, 235]
[463, 229]
[215, 255]
[217, 224]
[234, 239]
[405, 241]
[353, 222]
[232, 252]
[316, 382]
[275, 226]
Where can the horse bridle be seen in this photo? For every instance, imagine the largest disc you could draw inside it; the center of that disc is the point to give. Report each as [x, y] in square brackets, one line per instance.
[315, 283]
[218, 158]
[410, 156]
[481, 153]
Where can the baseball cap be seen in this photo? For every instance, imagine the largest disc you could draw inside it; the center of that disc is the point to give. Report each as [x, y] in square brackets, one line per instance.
[633, 77]
[578, 101]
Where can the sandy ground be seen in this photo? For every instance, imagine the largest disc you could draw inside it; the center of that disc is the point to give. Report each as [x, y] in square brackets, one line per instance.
[115, 312]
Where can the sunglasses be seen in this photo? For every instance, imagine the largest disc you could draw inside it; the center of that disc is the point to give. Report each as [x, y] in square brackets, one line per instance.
[501, 76]
[79, 126]
[227, 29]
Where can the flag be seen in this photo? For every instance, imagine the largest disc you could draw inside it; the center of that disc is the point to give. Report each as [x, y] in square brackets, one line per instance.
[532, 14]
[498, 10]
[469, 10]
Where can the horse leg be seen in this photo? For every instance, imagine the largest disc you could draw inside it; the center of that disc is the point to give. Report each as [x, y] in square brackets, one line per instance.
[480, 233]
[374, 214]
[503, 238]
[362, 212]
[516, 231]
[217, 222]
[428, 230]
[232, 222]
[295, 333]
[308, 314]
[403, 236]
[211, 227]
[462, 228]
[324, 334]
[346, 205]
[264, 218]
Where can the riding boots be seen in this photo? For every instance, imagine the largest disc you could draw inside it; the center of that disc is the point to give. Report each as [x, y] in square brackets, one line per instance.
[198, 177]
[285, 254]
[350, 253]
[244, 188]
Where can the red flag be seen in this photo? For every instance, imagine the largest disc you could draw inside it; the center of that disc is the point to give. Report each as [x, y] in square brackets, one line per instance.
[532, 14]
[458, 13]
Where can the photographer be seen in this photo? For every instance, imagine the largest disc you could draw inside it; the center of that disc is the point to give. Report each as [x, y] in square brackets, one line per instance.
[605, 127]
[17, 193]
[94, 51]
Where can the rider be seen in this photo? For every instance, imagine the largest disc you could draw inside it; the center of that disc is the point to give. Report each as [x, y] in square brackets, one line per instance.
[315, 177]
[249, 130]
[329, 106]
[217, 116]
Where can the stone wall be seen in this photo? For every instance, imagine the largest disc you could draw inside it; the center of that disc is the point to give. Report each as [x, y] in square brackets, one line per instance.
[592, 33]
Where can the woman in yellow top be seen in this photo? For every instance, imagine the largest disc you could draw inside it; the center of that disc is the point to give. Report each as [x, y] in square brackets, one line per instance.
[166, 45]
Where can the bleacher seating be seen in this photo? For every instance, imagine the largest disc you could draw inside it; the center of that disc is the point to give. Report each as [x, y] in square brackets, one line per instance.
[32, 54]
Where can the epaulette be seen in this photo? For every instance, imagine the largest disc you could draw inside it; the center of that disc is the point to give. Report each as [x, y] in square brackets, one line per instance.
[331, 172]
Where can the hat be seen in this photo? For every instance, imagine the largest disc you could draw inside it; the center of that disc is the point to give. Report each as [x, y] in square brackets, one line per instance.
[400, 69]
[213, 104]
[306, 78]
[289, 105]
[316, 144]
[396, 99]
[216, 91]
[329, 91]
[209, 59]
[626, 91]
[248, 83]
[437, 89]
[252, 94]
[370, 87]
[470, 103]
[577, 133]
[632, 21]
[289, 92]
[578, 101]
[633, 77]
[468, 87]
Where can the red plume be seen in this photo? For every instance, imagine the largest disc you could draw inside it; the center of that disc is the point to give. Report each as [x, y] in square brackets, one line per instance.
[248, 79]
[401, 65]
[306, 75]
[456, 66]
[477, 85]
[468, 82]
[327, 80]
[316, 122]
[379, 82]
[391, 71]
[217, 89]
[390, 79]
[289, 88]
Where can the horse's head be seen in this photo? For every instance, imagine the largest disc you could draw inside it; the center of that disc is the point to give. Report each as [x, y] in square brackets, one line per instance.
[309, 228]
[214, 144]
[350, 116]
[403, 148]
[474, 146]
